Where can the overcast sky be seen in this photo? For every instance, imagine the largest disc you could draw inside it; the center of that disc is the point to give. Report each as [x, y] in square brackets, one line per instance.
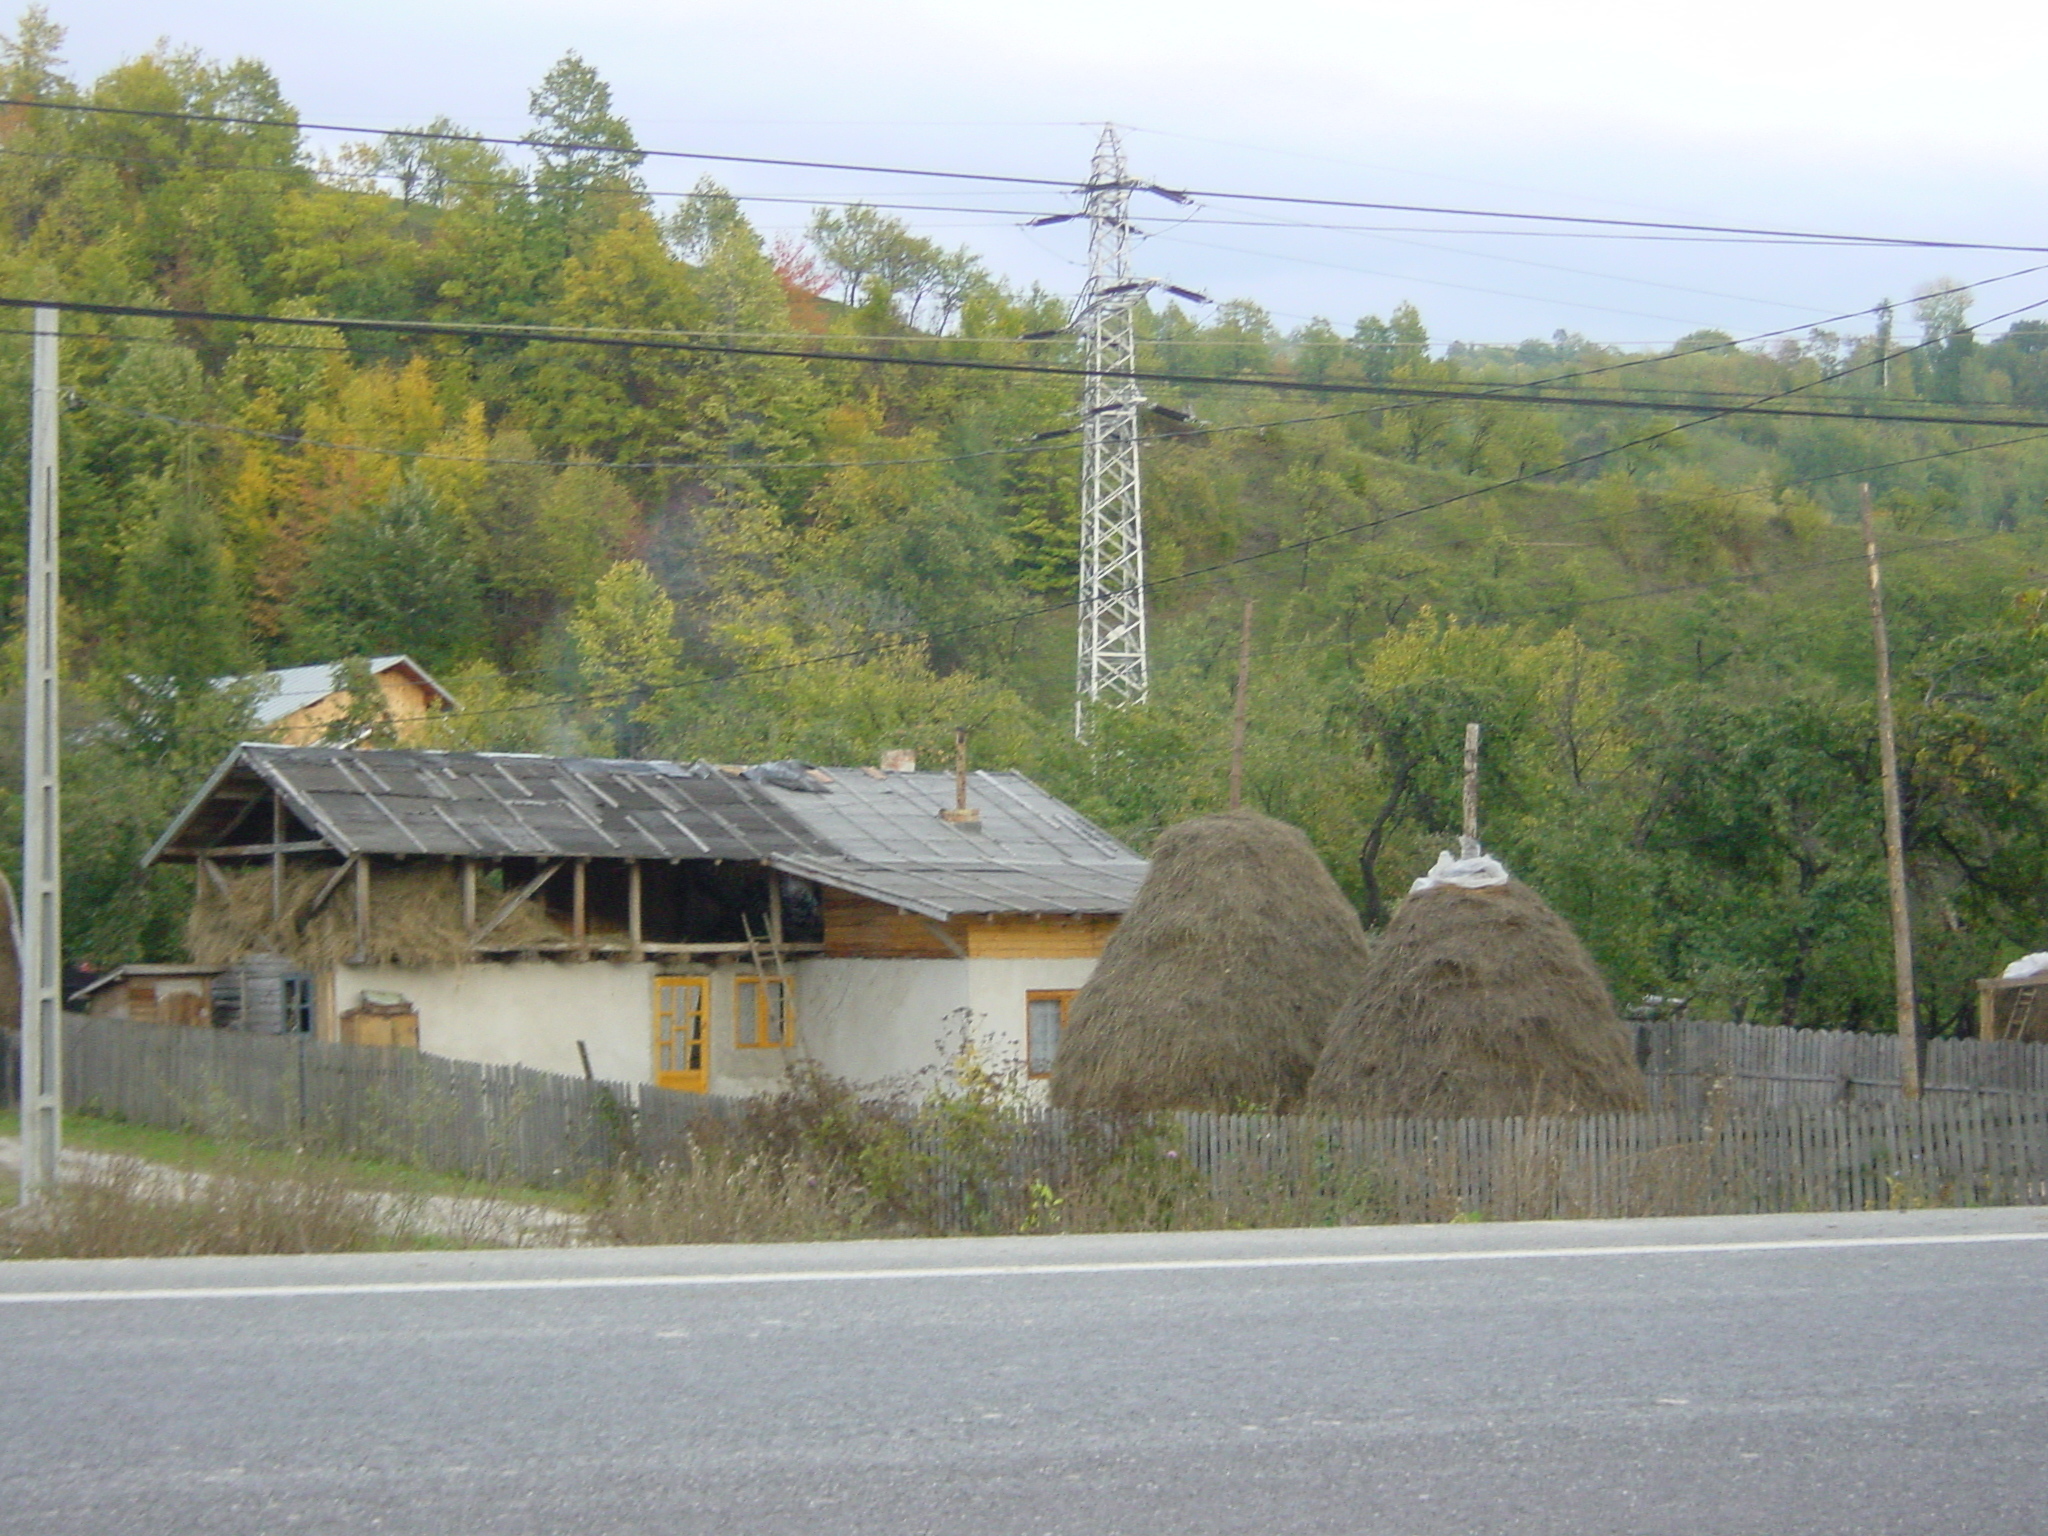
[1875, 118]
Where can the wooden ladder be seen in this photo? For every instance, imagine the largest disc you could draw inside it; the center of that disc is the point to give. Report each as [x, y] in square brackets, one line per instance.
[756, 945]
[2021, 1014]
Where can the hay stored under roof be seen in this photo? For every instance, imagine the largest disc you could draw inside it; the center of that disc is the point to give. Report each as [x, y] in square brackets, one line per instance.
[1216, 988]
[1478, 1003]
[415, 919]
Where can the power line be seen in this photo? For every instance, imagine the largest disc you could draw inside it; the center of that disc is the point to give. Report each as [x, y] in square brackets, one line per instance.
[633, 156]
[299, 440]
[1508, 394]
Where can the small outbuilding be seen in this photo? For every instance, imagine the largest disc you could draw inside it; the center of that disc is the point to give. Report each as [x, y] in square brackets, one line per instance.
[1215, 991]
[1478, 1002]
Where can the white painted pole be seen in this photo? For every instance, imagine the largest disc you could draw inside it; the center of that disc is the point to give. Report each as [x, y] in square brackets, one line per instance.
[42, 947]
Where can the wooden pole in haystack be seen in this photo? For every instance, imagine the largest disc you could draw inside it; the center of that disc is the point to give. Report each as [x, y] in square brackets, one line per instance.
[1894, 821]
[1239, 709]
[1468, 844]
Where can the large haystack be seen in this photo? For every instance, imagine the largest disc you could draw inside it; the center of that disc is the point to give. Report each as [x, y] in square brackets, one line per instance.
[1215, 990]
[415, 918]
[1478, 1003]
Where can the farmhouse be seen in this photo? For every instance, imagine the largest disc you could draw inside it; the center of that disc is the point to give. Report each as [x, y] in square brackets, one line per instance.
[303, 705]
[692, 925]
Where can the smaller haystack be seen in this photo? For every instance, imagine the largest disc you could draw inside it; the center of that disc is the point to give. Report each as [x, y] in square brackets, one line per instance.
[1478, 1003]
[1216, 988]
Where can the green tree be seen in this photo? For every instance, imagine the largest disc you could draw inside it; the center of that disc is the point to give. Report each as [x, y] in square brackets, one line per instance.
[626, 652]
[394, 576]
[585, 175]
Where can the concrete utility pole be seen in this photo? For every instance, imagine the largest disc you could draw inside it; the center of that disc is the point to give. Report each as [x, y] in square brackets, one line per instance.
[1894, 822]
[42, 948]
[1112, 666]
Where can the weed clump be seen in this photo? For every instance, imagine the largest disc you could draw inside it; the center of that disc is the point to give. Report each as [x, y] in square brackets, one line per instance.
[127, 1208]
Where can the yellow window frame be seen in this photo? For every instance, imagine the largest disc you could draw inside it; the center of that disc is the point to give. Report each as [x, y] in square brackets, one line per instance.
[763, 1013]
[1064, 996]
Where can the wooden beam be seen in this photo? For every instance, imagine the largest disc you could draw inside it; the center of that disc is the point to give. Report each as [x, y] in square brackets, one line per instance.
[469, 895]
[362, 954]
[513, 902]
[267, 850]
[328, 887]
[775, 907]
[218, 880]
[636, 948]
[579, 905]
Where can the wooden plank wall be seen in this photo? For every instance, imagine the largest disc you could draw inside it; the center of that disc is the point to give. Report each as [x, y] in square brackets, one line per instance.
[857, 927]
[1038, 938]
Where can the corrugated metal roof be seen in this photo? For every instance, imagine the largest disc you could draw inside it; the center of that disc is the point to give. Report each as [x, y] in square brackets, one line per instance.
[288, 690]
[1030, 852]
[880, 836]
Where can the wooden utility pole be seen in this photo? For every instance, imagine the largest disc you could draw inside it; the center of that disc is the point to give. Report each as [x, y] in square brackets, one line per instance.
[42, 944]
[1894, 821]
[1468, 845]
[1238, 710]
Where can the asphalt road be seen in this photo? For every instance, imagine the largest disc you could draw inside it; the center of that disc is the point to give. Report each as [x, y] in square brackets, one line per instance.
[1777, 1375]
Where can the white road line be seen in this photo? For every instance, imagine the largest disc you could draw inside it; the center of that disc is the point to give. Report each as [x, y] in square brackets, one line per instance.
[995, 1271]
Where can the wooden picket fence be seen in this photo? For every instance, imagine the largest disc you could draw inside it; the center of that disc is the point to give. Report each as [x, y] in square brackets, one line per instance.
[1750, 1120]
[1693, 1065]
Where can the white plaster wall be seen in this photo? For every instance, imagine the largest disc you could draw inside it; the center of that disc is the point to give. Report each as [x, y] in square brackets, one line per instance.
[874, 1021]
[869, 1021]
[528, 1012]
[996, 990]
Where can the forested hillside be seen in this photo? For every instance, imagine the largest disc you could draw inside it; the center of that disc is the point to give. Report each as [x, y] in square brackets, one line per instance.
[743, 551]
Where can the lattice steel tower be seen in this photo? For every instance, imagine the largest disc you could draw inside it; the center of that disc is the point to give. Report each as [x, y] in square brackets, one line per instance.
[1112, 666]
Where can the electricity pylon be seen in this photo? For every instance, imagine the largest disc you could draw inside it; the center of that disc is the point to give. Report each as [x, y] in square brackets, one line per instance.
[1111, 667]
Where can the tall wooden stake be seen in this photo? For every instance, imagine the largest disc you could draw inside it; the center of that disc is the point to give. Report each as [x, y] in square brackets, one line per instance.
[1240, 708]
[1894, 822]
[42, 947]
[1468, 845]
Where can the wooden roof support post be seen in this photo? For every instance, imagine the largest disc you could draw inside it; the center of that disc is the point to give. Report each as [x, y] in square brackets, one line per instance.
[636, 940]
[775, 907]
[1894, 822]
[362, 954]
[579, 907]
[276, 857]
[469, 895]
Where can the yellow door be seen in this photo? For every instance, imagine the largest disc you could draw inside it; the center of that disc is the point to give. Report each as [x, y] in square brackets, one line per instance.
[682, 1032]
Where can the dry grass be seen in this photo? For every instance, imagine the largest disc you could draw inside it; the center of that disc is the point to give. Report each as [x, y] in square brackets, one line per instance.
[123, 1207]
[1218, 986]
[415, 918]
[719, 1195]
[1478, 1004]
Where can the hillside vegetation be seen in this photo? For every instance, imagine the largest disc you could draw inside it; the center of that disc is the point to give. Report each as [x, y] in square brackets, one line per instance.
[1658, 615]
